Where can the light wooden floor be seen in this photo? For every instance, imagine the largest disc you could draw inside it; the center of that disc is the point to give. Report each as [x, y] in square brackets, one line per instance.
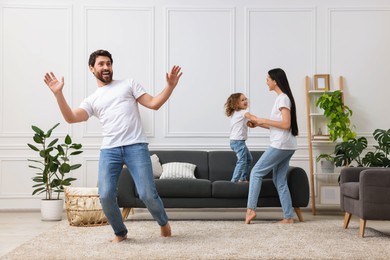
[17, 227]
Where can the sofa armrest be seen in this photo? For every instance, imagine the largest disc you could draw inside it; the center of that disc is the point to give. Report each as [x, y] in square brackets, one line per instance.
[374, 194]
[350, 174]
[126, 190]
[298, 185]
[374, 185]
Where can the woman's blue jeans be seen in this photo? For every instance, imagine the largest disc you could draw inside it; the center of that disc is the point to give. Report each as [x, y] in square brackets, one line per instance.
[137, 159]
[244, 160]
[278, 161]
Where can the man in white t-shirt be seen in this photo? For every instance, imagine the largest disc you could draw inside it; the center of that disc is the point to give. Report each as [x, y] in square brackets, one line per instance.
[115, 104]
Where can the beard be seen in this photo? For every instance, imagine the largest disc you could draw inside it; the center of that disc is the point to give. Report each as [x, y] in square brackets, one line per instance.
[105, 78]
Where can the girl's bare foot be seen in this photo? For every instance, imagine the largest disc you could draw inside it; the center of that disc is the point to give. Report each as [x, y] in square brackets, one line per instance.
[166, 230]
[250, 215]
[118, 239]
[286, 221]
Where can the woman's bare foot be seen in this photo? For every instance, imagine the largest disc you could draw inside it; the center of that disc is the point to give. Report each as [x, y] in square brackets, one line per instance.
[286, 221]
[118, 239]
[166, 230]
[250, 215]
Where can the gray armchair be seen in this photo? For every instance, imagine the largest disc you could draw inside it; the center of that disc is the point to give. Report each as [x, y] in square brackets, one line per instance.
[365, 192]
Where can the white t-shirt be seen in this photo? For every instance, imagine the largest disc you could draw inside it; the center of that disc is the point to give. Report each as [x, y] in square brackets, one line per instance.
[280, 138]
[238, 127]
[116, 107]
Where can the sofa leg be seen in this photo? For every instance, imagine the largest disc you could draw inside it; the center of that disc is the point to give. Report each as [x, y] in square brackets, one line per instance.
[362, 227]
[126, 212]
[299, 214]
[347, 218]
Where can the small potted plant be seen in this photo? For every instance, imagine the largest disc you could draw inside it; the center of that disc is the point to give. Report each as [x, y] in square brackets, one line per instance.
[327, 162]
[338, 114]
[53, 167]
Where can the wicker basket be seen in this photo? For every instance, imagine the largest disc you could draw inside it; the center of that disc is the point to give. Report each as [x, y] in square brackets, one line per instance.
[83, 207]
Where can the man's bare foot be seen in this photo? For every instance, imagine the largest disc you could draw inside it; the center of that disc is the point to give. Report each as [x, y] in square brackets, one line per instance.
[118, 239]
[250, 215]
[166, 230]
[286, 221]
[243, 181]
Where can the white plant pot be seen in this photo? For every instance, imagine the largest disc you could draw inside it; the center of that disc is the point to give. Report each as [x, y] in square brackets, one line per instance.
[51, 210]
[327, 166]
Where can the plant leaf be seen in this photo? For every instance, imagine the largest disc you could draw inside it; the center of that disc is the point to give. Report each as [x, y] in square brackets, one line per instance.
[68, 140]
[33, 147]
[37, 130]
[53, 142]
[51, 130]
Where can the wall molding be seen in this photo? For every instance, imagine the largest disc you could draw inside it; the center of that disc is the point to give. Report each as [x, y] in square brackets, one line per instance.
[332, 10]
[68, 91]
[168, 11]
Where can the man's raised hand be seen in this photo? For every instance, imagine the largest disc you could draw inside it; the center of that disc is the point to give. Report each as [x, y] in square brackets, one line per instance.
[53, 83]
[174, 76]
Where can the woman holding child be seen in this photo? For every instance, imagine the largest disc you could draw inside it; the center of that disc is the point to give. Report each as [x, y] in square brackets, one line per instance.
[283, 131]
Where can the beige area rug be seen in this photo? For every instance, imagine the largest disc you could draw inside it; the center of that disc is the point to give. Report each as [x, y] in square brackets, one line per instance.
[317, 239]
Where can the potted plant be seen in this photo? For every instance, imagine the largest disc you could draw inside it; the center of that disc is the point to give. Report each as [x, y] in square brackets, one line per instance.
[53, 167]
[349, 152]
[327, 162]
[338, 114]
[339, 125]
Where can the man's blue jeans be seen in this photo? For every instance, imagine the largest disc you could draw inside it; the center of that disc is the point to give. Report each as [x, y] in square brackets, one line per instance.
[137, 159]
[244, 160]
[278, 161]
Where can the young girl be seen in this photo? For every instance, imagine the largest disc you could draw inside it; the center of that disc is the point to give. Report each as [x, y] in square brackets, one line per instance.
[236, 108]
[283, 131]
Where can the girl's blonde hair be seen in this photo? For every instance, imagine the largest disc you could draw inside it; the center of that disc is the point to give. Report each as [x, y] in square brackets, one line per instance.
[231, 104]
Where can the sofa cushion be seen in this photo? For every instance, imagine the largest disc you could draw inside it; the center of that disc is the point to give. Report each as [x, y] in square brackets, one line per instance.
[156, 166]
[177, 170]
[228, 189]
[222, 164]
[199, 158]
[183, 188]
[350, 189]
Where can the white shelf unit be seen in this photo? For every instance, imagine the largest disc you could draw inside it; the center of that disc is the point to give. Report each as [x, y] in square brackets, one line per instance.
[318, 135]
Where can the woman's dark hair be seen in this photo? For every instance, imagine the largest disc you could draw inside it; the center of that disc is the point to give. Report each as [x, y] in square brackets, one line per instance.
[281, 80]
[92, 57]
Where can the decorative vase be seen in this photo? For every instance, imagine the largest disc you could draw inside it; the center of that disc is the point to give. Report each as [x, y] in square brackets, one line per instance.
[327, 166]
[52, 210]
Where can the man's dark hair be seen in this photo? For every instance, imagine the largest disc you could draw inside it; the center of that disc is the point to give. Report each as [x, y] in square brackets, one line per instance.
[92, 57]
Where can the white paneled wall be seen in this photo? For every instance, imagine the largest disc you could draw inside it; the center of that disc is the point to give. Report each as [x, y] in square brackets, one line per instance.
[223, 47]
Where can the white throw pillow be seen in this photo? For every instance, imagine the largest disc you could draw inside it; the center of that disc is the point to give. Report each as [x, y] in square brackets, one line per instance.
[177, 170]
[156, 165]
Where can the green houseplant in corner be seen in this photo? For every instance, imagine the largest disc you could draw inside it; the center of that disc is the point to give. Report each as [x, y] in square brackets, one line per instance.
[339, 125]
[53, 167]
[380, 157]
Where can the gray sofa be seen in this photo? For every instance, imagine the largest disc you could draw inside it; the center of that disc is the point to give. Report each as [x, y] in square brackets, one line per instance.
[212, 187]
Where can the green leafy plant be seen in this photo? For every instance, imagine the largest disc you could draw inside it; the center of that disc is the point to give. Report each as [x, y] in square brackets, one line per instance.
[338, 115]
[348, 152]
[54, 164]
[380, 157]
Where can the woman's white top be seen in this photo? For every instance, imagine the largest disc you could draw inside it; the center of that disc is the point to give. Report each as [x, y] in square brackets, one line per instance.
[281, 138]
